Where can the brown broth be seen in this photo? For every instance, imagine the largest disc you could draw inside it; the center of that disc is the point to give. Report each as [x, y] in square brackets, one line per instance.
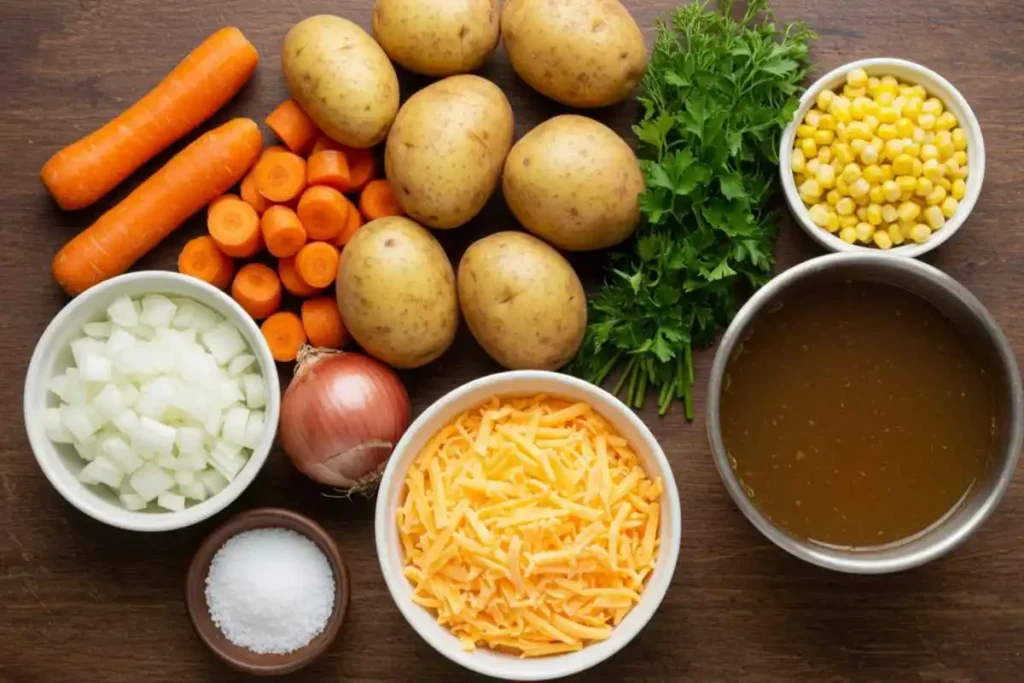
[855, 414]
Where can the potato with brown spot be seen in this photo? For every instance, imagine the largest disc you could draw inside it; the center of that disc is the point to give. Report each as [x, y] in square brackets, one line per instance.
[522, 300]
[396, 292]
[341, 78]
[437, 37]
[583, 53]
[575, 183]
[446, 150]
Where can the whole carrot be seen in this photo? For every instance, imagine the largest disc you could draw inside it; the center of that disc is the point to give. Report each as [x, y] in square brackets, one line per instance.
[187, 183]
[201, 84]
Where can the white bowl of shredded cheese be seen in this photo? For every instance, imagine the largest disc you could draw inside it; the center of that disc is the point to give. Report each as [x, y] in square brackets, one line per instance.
[557, 510]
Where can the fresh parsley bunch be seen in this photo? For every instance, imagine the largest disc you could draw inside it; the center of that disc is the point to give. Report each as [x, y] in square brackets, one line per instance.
[716, 96]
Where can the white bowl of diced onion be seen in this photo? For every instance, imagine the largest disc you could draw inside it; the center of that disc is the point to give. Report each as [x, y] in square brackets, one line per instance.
[151, 401]
[936, 86]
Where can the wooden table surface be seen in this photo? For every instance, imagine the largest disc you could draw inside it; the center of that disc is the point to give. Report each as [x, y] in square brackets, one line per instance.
[83, 602]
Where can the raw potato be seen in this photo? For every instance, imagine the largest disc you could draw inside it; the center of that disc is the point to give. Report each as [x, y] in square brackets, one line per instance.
[583, 53]
[446, 150]
[575, 183]
[437, 37]
[522, 301]
[341, 78]
[396, 292]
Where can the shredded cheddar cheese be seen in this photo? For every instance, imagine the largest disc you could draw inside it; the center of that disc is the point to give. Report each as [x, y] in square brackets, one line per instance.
[529, 526]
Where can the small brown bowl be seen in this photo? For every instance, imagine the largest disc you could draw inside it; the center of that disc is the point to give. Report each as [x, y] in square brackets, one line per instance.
[195, 593]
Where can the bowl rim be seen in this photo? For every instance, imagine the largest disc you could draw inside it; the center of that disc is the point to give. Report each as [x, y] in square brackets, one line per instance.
[77, 494]
[435, 635]
[948, 92]
[820, 555]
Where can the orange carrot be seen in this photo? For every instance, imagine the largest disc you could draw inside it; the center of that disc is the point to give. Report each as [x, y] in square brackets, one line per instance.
[282, 231]
[362, 166]
[235, 227]
[201, 84]
[324, 143]
[192, 179]
[321, 320]
[251, 196]
[291, 280]
[284, 334]
[281, 176]
[317, 264]
[296, 130]
[257, 290]
[273, 149]
[329, 167]
[355, 221]
[377, 201]
[201, 259]
[323, 212]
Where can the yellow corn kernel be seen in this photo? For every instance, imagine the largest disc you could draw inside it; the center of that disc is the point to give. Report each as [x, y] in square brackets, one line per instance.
[858, 130]
[845, 207]
[812, 166]
[876, 195]
[861, 213]
[926, 122]
[906, 183]
[819, 214]
[833, 197]
[809, 147]
[885, 98]
[946, 121]
[890, 81]
[824, 99]
[889, 213]
[887, 131]
[919, 135]
[842, 186]
[872, 173]
[812, 118]
[797, 160]
[854, 93]
[857, 144]
[934, 170]
[878, 143]
[945, 184]
[871, 111]
[907, 195]
[888, 114]
[836, 165]
[904, 127]
[961, 157]
[932, 106]
[934, 218]
[895, 234]
[826, 177]
[805, 131]
[920, 233]
[810, 188]
[862, 200]
[882, 239]
[857, 78]
[825, 154]
[893, 148]
[848, 235]
[874, 214]
[912, 108]
[858, 108]
[902, 164]
[907, 211]
[887, 172]
[919, 91]
[924, 187]
[949, 207]
[864, 232]
[911, 148]
[842, 151]
[944, 144]
[873, 83]
[936, 196]
[869, 155]
[959, 139]
[917, 168]
[898, 103]
[826, 122]
[958, 190]
[847, 221]
[859, 188]
[851, 173]
[798, 179]
[891, 191]
[841, 110]
[961, 172]
[871, 123]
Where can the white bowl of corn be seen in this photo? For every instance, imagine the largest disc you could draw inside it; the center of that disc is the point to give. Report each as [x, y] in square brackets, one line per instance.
[884, 154]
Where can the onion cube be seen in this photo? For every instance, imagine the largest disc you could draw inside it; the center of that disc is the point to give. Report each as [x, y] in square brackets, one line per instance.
[54, 426]
[255, 391]
[116, 449]
[184, 314]
[227, 459]
[171, 501]
[126, 421]
[212, 423]
[129, 395]
[158, 310]
[184, 477]
[213, 482]
[143, 332]
[235, 420]
[84, 347]
[189, 440]
[98, 330]
[150, 436]
[119, 341]
[193, 363]
[123, 312]
[204, 319]
[195, 461]
[102, 471]
[157, 396]
[77, 422]
[195, 490]
[58, 385]
[132, 502]
[149, 481]
[109, 403]
[254, 429]
[224, 342]
[86, 451]
[167, 461]
[229, 391]
[95, 368]
[241, 363]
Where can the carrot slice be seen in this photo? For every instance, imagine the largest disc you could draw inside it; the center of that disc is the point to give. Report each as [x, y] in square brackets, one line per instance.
[355, 221]
[201, 84]
[186, 184]
[282, 231]
[284, 334]
[324, 143]
[281, 176]
[377, 200]
[251, 196]
[235, 227]
[329, 167]
[296, 130]
[317, 264]
[273, 149]
[321, 320]
[201, 259]
[291, 280]
[362, 166]
[323, 212]
[257, 290]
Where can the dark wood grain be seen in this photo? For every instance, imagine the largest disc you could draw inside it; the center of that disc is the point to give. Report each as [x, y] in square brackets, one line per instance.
[83, 602]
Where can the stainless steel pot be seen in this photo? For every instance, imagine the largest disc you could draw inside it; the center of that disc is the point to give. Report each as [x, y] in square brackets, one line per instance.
[980, 329]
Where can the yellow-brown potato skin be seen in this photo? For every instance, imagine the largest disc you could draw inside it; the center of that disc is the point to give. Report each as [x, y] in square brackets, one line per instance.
[437, 37]
[446, 150]
[396, 292]
[341, 78]
[583, 53]
[522, 301]
[575, 183]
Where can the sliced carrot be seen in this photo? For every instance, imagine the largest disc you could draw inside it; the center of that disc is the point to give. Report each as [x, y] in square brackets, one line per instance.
[377, 200]
[284, 334]
[257, 290]
[186, 184]
[201, 259]
[235, 227]
[201, 84]
[218, 200]
[362, 166]
[324, 143]
[323, 212]
[329, 167]
[251, 196]
[296, 130]
[317, 264]
[281, 176]
[355, 221]
[291, 280]
[273, 149]
[321, 320]
[282, 231]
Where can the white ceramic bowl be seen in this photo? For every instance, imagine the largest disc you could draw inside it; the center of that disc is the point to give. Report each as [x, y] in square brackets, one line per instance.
[52, 356]
[936, 86]
[392, 489]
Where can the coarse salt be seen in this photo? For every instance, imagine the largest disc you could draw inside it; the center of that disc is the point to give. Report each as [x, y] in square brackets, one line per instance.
[270, 590]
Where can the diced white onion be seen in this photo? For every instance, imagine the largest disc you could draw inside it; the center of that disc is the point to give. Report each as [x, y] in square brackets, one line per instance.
[125, 422]
[213, 481]
[195, 490]
[84, 347]
[229, 391]
[77, 422]
[255, 391]
[195, 461]
[189, 440]
[157, 310]
[150, 436]
[184, 477]
[149, 481]
[101, 471]
[254, 429]
[224, 342]
[123, 312]
[241, 363]
[109, 402]
[99, 330]
[116, 449]
[54, 426]
[171, 501]
[235, 421]
[131, 501]
[120, 341]
[95, 368]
